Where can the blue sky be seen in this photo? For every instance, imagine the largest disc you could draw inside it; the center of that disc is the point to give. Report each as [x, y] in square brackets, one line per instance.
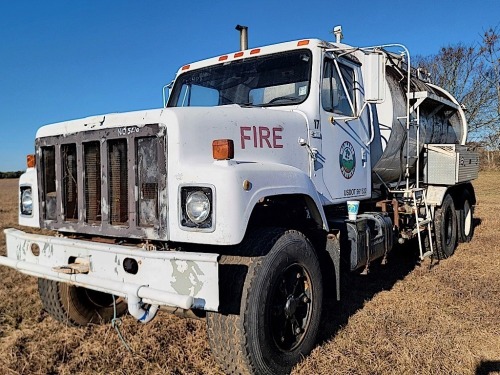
[61, 60]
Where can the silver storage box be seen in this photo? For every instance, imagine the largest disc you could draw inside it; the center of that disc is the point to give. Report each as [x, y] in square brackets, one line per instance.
[450, 164]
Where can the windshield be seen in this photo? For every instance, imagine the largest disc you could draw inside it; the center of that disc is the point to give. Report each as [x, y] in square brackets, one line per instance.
[278, 79]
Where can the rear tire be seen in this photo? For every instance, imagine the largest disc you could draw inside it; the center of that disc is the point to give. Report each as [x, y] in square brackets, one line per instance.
[78, 306]
[445, 227]
[280, 310]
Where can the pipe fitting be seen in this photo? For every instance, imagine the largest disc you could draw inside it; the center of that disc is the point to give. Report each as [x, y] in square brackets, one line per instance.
[137, 310]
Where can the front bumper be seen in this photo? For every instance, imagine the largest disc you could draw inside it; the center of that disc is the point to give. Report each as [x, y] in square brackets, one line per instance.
[172, 278]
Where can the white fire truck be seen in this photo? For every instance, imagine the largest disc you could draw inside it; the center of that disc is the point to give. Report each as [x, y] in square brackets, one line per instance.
[230, 202]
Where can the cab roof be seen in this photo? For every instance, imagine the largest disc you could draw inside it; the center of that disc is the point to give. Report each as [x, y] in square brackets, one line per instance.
[258, 51]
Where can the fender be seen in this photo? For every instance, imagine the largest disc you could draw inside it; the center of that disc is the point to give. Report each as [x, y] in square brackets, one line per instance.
[435, 194]
[287, 180]
[239, 186]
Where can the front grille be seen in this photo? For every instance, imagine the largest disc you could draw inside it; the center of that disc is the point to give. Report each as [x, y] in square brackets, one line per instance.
[149, 191]
[118, 181]
[92, 169]
[98, 184]
[70, 192]
[48, 163]
[147, 162]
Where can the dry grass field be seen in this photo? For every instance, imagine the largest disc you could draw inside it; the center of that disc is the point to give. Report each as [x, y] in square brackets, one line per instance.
[403, 318]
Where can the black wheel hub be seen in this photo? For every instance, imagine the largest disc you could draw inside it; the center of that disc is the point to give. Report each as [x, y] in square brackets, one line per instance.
[290, 308]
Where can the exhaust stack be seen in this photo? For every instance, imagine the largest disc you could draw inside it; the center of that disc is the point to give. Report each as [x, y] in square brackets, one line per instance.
[243, 37]
[337, 31]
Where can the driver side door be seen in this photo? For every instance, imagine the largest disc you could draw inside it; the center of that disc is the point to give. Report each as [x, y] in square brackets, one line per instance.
[345, 132]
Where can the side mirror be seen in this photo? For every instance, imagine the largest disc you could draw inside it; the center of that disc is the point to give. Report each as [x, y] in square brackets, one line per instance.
[167, 89]
[375, 77]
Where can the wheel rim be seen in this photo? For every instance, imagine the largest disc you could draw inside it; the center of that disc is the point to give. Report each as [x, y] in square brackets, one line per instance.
[448, 229]
[290, 309]
[468, 218]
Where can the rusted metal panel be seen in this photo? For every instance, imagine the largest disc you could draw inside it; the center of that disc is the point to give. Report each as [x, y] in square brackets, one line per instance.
[147, 180]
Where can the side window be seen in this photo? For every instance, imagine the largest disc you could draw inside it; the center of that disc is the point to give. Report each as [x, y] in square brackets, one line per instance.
[334, 97]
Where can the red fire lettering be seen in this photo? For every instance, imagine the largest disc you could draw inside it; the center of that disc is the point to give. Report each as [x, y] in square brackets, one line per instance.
[264, 135]
[276, 137]
[261, 136]
[244, 137]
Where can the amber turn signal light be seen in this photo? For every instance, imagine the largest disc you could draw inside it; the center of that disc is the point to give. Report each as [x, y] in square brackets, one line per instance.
[30, 161]
[223, 149]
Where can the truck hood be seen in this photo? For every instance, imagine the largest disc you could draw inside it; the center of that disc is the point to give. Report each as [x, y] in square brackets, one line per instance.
[259, 134]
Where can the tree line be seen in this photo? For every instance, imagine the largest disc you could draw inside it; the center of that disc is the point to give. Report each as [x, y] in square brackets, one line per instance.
[11, 174]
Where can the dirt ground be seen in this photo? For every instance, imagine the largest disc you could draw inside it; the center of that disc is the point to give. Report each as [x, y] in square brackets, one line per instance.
[403, 318]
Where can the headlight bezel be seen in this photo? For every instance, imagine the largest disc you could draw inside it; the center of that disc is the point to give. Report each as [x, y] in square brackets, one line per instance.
[187, 221]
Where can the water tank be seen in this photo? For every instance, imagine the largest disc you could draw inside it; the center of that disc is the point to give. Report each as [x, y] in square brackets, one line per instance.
[441, 121]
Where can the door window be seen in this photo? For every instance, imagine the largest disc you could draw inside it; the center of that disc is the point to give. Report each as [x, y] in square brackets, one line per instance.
[337, 89]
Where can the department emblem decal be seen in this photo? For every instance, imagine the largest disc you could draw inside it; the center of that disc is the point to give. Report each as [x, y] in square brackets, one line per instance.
[347, 159]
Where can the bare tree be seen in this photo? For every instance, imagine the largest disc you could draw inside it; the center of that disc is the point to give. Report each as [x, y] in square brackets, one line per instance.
[491, 49]
[472, 75]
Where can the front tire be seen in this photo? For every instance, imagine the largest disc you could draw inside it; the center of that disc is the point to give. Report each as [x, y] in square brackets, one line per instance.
[280, 310]
[78, 306]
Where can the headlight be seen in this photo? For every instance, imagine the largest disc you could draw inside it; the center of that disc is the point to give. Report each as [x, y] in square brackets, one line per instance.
[197, 207]
[196, 204]
[26, 201]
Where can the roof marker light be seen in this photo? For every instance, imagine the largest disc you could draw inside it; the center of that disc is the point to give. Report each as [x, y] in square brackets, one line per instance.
[223, 58]
[186, 67]
[254, 51]
[302, 43]
[238, 54]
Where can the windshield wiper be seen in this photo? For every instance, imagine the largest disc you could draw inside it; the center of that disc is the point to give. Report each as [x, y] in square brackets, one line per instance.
[249, 105]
